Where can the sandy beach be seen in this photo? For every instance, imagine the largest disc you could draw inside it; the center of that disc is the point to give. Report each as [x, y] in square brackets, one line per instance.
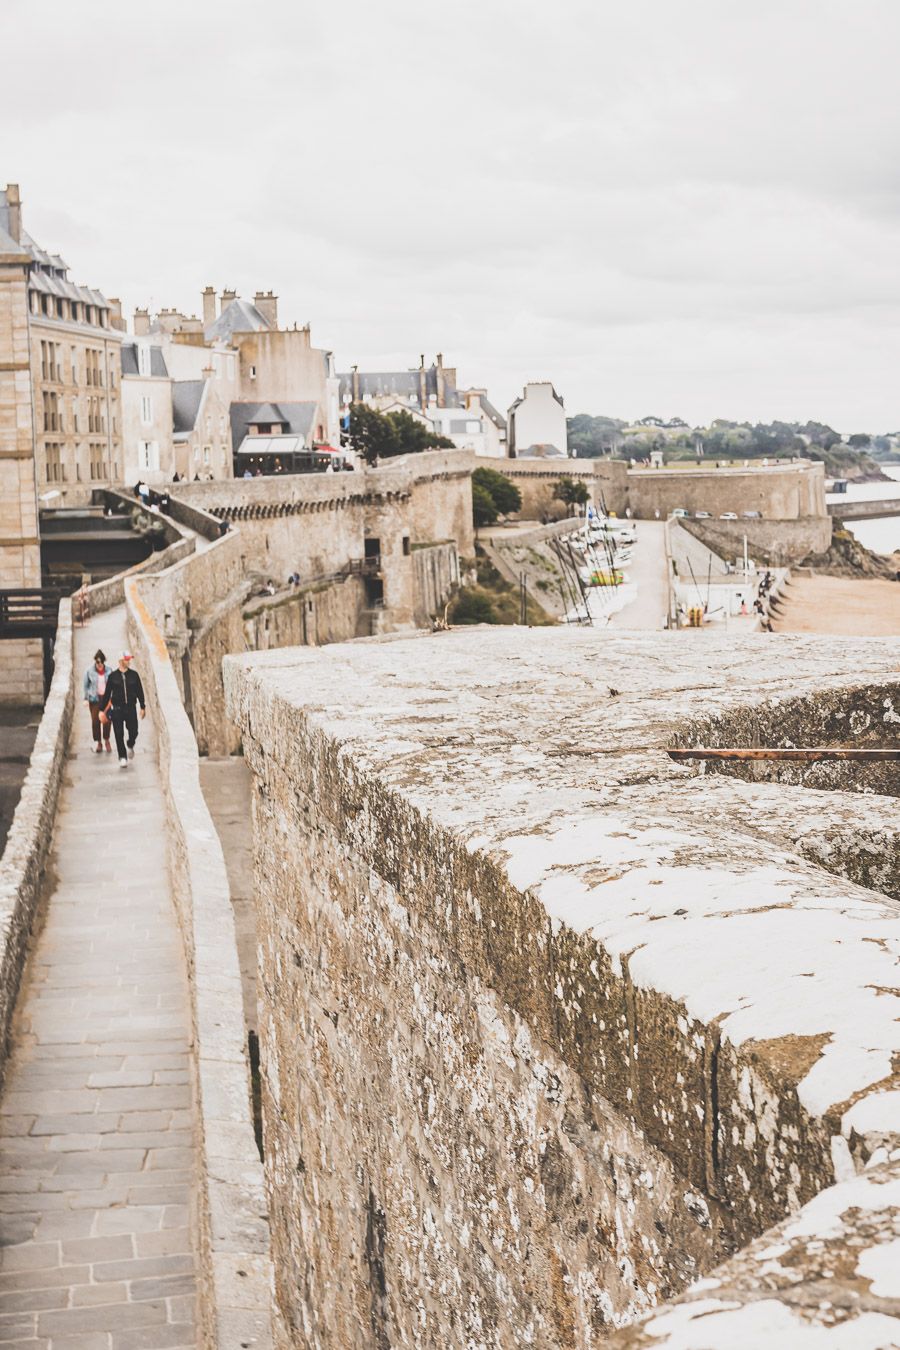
[846, 607]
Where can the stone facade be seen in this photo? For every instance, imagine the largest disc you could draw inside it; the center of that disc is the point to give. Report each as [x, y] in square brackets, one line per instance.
[21, 668]
[550, 1023]
[74, 339]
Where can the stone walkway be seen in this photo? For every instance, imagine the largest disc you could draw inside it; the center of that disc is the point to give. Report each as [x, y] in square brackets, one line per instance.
[96, 1119]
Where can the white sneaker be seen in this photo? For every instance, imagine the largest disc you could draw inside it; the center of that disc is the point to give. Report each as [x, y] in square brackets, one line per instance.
[123, 763]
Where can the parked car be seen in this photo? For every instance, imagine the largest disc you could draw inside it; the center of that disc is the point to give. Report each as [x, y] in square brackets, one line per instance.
[702, 515]
[728, 515]
[680, 513]
[751, 515]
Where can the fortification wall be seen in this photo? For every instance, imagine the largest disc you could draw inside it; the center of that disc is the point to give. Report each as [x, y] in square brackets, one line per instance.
[435, 574]
[550, 1023]
[776, 543]
[605, 479]
[779, 492]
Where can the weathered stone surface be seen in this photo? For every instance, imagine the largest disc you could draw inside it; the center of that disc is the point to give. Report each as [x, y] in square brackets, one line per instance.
[548, 1021]
[230, 1215]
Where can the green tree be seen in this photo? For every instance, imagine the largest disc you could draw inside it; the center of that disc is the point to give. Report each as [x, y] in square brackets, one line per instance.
[859, 441]
[371, 435]
[374, 435]
[484, 509]
[472, 606]
[414, 436]
[505, 494]
[570, 491]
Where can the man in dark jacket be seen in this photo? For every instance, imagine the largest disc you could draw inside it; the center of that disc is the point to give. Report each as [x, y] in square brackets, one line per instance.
[124, 693]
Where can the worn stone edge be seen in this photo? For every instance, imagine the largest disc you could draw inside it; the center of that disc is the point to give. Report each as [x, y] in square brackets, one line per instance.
[28, 843]
[242, 683]
[236, 1278]
[104, 595]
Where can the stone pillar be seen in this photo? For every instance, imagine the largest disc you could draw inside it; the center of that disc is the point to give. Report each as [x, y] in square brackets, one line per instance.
[21, 664]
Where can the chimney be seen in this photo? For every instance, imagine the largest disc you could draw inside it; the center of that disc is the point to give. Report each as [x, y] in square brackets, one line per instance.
[209, 306]
[141, 323]
[115, 315]
[267, 304]
[423, 388]
[14, 204]
[440, 381]
[227, 297]
[473, 399]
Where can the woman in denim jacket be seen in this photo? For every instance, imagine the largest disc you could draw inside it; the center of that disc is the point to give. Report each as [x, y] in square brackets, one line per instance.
[96, 678]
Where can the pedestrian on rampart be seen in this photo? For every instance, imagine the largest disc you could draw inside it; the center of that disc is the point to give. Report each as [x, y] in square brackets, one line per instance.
[96, 678]
[124, 692]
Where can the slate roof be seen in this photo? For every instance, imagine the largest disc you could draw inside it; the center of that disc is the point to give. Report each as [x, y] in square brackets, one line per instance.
[266, 414]
[497, 418]
[130, 361]
[241, 316]
[48, 274]
[402, 383]
[297, 418]
[187, 399]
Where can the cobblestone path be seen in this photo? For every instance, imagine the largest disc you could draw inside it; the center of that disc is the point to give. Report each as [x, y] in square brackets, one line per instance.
[96, 1120]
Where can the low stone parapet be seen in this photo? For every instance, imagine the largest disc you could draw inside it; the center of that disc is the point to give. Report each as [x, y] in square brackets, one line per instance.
[28, 843]
[235, 1270]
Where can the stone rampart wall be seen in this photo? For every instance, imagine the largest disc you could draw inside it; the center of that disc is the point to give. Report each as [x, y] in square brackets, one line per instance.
[775, 543]
[605, 479]
[780, 492]
[30, 835]
[234, 1273]
[435, 574]
[549, 1023]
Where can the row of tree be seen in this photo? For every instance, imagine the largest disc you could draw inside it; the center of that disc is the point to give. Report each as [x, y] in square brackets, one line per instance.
[592, 437]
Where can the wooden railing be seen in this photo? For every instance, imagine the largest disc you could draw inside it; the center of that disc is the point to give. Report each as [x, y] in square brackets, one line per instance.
[30, 612]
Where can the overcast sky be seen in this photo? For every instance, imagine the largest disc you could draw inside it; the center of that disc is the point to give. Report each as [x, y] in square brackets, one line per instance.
[678, 207]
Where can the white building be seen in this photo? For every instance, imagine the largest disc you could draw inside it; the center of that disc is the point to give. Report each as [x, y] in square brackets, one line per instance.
[537, 422]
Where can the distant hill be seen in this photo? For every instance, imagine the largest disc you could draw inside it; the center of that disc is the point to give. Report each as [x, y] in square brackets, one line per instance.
[594, 436]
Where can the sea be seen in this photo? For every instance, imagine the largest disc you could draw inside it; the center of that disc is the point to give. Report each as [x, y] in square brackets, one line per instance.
[881, 536]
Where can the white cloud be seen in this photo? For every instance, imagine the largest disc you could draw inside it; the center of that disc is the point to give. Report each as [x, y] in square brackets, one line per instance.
[682, 207]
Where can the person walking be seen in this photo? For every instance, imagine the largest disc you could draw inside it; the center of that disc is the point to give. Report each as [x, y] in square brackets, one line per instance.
[124, 692]
[96, 678]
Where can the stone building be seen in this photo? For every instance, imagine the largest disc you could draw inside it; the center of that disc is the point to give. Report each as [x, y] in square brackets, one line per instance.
[20, 552]
[147, 426]
[537, 421]
[74, 336]
[464, 416]
[238, 357]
